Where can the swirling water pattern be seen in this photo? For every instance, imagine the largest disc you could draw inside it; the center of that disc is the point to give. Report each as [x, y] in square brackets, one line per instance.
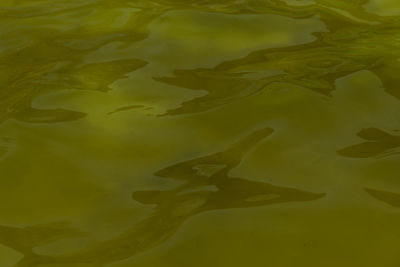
[199, 133]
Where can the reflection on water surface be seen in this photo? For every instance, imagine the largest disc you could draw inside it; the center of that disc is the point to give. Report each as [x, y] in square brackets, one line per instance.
[160, 133]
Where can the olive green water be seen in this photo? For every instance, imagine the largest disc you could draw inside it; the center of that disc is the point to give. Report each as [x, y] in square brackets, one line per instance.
[216, 133]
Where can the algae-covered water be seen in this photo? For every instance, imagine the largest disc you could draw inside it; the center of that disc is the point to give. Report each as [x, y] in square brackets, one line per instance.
[221, 133]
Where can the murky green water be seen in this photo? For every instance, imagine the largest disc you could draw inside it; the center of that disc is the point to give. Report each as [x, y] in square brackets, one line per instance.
[220, 133]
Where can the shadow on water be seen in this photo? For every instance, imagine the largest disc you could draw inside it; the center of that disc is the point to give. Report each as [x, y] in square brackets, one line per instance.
[314, 66]
[25, 239]
[354, 41]
[390, 198]
[53, 56]
[377, 143]
[22, 81]
[206, 186]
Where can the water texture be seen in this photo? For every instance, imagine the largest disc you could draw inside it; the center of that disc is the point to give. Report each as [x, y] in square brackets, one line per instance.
[174, 133]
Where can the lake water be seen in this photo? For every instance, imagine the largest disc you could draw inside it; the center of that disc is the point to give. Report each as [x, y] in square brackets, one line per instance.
[223, 133]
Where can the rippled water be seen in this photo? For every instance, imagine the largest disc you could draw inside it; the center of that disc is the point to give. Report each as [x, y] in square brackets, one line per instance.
[174, 133]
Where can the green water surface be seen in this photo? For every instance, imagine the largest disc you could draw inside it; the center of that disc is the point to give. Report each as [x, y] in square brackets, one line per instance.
[193, 133]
